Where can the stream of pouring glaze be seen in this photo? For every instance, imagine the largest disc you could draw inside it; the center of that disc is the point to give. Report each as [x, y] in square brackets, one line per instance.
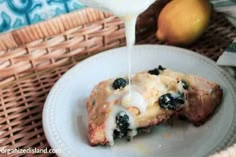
[128, 11]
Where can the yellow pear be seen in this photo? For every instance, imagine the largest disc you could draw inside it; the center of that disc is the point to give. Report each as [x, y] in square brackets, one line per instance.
[181, 22]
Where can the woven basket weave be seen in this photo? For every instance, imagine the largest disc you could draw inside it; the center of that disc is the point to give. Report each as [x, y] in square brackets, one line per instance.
[32, 59]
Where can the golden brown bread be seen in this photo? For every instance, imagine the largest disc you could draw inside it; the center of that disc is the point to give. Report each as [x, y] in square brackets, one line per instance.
[152, 100]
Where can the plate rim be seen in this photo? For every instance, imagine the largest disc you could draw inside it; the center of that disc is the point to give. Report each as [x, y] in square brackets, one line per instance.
[228, 140]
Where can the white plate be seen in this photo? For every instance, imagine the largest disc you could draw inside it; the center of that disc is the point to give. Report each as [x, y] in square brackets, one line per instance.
[65, 115]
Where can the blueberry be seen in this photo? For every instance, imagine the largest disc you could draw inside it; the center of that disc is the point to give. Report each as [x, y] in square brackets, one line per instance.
[185, 84]
[154, 72]
[179, 99]
[166, 101]
[119, 83]
[171, 102]
[116, 133]
[161, 68]
[122, 122]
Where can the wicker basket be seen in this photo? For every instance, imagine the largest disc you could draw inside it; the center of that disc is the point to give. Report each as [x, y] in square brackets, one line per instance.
[33, 58]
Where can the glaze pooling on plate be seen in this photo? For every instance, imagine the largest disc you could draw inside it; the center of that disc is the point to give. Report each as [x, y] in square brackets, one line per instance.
[64, 115]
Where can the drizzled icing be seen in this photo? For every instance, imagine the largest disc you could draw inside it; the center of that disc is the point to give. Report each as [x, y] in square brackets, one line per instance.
[128, 11]
[144, 91]
[141, 106]
[134, 99]
[110, 124]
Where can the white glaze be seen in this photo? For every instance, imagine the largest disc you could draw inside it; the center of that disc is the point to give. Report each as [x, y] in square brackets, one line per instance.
[128, 11]
[134, 96]
[180, 86]
[134, 99]
[110, 124]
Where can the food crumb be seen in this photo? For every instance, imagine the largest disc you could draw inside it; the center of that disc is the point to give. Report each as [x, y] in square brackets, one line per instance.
[166, 135]
[143, 149]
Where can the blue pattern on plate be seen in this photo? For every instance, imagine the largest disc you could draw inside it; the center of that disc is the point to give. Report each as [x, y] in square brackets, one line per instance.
[15, 14]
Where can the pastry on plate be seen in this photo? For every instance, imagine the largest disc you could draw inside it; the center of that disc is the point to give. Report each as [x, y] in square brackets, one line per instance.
[118, 109]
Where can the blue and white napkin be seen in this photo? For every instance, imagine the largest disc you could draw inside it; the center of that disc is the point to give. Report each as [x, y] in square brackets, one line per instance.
[15, 14]
[228, 58]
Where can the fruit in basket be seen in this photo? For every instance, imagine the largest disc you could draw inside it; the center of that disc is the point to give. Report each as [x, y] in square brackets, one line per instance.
[181, 22]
